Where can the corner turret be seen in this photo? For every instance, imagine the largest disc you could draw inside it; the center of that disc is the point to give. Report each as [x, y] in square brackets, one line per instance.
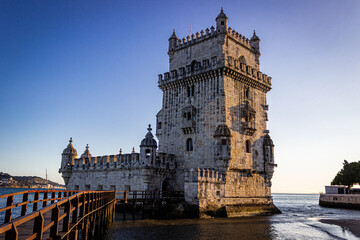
[86, 153]
[148, 149]
[67, 161]
[173, 40]
[255, 45]
[221, 22]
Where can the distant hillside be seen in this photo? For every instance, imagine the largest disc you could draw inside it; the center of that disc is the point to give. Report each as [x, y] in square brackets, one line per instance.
[8, 181]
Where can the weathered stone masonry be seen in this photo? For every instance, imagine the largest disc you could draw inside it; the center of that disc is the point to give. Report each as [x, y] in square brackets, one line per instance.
[213, 140]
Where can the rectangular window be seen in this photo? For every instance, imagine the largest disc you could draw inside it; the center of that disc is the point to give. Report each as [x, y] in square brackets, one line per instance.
[76, 187]
[87, 187]
[112, 187]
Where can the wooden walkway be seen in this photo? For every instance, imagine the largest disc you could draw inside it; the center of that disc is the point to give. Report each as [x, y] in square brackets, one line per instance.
[69, 215]
[51, 214]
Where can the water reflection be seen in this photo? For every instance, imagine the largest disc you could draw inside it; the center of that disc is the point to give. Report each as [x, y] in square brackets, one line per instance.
[298, 221]
[198, 229]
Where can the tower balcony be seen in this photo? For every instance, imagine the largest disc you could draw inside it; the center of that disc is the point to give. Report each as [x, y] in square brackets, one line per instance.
[248, 129]
[188, 126]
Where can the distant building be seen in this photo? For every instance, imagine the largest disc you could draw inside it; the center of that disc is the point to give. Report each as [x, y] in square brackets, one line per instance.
[336, 189]
[213, 140]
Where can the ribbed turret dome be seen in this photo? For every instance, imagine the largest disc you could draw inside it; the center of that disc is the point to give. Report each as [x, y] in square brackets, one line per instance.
[173, 36]
[268, 141]
[149, 140]
[86, 153]
[254, 37]
[70, 149]
[222, 131]
[221, 15]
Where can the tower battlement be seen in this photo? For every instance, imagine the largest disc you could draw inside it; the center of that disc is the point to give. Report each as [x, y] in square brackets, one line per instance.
[209, 67]
[208, 34]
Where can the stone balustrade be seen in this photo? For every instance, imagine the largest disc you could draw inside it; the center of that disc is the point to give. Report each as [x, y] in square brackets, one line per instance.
[204, 175]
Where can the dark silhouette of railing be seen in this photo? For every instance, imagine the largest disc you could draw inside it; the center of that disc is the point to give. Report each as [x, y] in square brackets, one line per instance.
[60, 216]
[142, 196]
[134, 201]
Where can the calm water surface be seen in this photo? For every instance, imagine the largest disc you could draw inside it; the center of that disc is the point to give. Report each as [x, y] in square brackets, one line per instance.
[298, 221]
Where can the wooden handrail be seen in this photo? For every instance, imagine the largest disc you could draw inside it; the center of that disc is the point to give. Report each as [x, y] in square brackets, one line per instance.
[73, 205]
[35, 199]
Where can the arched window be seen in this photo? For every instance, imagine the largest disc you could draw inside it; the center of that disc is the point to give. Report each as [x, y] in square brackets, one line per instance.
[189, 116]
[193, 66]
[242, 60]
[247, 92]
[147, 152]
[248, 146]
[189, 145]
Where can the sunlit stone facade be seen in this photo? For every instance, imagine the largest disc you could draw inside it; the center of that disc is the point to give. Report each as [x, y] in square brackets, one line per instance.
[213, 140]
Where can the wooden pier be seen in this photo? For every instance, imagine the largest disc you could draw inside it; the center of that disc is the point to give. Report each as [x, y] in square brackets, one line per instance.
[42, 214]
[51, 214]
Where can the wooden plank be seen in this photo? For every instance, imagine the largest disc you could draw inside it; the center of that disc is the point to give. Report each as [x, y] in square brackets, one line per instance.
[54, 230]
[38, 226]
[35, 204]
[8, 212]
[53, 197]
[66, 220]
[45, 196]
[12, 234]
[24, 207]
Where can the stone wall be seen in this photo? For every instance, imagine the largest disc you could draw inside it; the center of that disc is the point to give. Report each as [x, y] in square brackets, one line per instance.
[216, 194]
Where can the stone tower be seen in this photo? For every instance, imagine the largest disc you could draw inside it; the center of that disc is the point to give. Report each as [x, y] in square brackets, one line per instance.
[67, 161]
[148, 149]
[213, 141]
[213, 119]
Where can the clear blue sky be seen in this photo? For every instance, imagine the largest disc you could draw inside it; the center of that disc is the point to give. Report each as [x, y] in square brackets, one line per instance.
[88, 70]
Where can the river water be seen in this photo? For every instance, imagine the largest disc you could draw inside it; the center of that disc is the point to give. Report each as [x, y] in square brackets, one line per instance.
[299, 220]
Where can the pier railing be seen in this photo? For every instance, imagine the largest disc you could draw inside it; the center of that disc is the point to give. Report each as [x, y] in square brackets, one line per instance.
[21, 203]
[67, 212]
[141, 196]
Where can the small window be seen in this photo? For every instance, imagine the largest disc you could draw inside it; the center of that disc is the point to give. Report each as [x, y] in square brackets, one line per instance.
[247, 92]
[223, 142]
[76, 187]
[189, 116]
[190, 91]
[100, 187]
[222, 22]
[147, 152]
[193, 66]
[248, 146]
[87, 187]
[189, 145]
[112, 187]
[159, 125]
